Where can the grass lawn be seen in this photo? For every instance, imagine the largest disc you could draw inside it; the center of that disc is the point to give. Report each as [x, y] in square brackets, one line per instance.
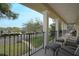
[20, 48]
[37, 41]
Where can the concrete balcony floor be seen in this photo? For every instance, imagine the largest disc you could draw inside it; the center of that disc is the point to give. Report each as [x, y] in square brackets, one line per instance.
[50, 53]
[42, 53]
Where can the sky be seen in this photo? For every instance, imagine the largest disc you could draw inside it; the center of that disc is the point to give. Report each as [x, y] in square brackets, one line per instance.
[25, 15]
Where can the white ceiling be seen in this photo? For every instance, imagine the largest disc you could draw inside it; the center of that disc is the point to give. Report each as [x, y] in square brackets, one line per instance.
[68, 11]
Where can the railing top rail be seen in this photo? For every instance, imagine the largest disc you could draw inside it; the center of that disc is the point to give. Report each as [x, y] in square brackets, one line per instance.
[21, 34]
[35, 33]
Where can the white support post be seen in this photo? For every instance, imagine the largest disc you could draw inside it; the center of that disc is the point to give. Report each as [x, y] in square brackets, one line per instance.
[45, 27]
[66, 27]
[57, 28]
[62, 26]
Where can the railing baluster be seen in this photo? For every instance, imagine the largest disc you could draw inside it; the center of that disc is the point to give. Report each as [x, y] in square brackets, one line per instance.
[4, 45]
[14, 46]
[35, 40]
[29, 44]
[21, 44]
[32, 40]
[43, 39]
[9, 44]
[24, 44]
[17, 45]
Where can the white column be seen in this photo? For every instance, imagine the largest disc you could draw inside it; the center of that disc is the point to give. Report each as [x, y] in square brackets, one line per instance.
[45, 27]
[66, 27]
[62, 26]
[57, 28]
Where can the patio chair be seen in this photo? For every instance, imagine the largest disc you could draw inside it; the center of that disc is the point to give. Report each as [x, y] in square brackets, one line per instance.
[53, 47]
[70, 49]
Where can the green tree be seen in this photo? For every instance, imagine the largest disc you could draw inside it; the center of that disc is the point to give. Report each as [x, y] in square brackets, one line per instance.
[16, 29]
[5, 11]
[32, 26]
[52, 31]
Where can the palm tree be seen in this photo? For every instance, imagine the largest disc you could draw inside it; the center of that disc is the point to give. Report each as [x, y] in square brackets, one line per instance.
[6, 12]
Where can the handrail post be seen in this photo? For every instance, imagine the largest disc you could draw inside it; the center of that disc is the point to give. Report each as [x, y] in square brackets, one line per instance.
[4, 45]
[29, 44]
[43, 39]
[9, 45]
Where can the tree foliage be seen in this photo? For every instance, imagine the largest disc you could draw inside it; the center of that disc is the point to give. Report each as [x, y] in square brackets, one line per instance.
[32, 26]
[13, 29]
[5, 11]
[10, 30]
[52, 30]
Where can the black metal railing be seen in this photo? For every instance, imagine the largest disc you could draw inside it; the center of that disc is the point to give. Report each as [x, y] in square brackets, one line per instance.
[53, 35]
[21, 44]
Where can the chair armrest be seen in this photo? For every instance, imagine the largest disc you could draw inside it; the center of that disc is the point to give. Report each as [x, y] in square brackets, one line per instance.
[60, 40]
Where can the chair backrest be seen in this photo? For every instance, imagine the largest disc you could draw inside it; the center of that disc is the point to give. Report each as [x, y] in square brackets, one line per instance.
[77, 40]
[77, 50]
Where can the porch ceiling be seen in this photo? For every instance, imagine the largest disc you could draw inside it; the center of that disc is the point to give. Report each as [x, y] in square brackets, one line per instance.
[68, 11]
[40, 7]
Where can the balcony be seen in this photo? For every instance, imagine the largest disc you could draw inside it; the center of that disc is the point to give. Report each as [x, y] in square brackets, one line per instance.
[29, 44]
[34, 44]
